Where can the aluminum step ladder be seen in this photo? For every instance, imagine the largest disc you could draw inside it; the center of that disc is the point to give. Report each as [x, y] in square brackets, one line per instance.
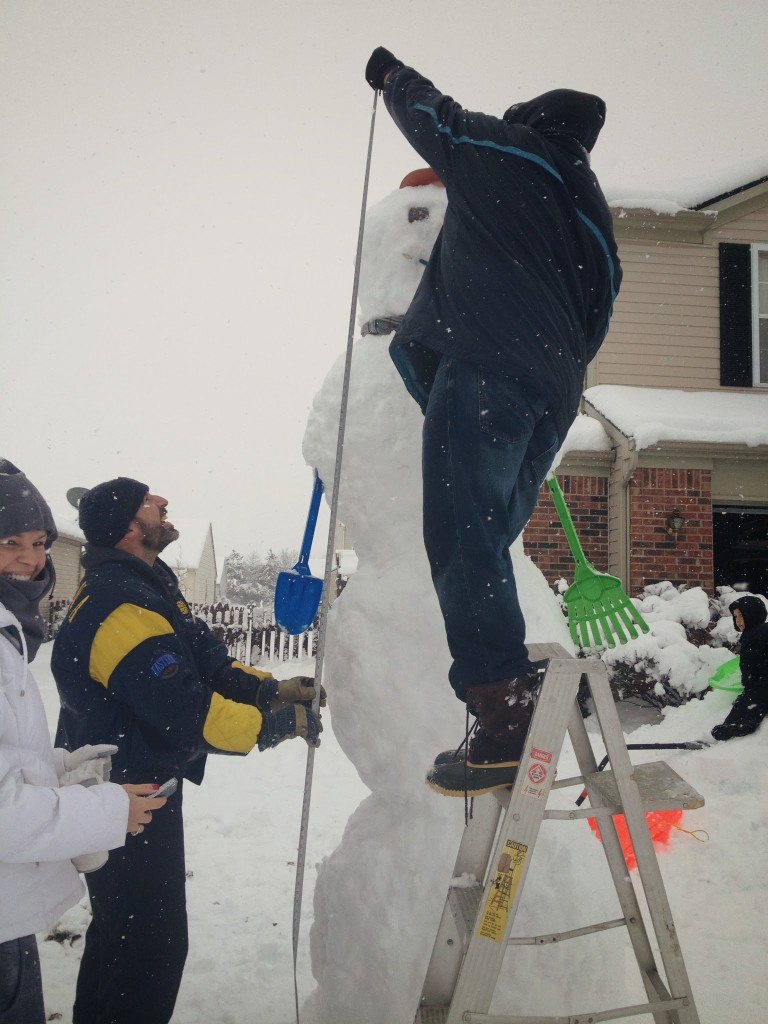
[498, 845]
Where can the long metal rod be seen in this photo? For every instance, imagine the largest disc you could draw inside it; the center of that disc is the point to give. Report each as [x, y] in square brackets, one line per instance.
[329, 565]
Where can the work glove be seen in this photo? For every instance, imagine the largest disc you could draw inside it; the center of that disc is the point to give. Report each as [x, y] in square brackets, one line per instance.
[85, 766]
[379, 64]
[276, 693]
[288, 723]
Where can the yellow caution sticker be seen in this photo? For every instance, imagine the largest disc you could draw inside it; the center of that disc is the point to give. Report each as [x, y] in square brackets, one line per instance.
[501, 896]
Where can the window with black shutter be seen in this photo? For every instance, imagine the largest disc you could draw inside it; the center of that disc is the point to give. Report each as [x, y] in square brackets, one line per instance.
[735, 315]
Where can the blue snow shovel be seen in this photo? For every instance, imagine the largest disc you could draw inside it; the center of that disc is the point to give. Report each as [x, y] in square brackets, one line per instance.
[298, 592]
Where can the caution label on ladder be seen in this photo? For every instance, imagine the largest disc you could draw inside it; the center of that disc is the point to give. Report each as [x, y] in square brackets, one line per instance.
[538, 768]
[509, 870]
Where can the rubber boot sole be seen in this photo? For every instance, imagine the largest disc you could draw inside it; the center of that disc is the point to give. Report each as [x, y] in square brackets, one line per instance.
[455, 778]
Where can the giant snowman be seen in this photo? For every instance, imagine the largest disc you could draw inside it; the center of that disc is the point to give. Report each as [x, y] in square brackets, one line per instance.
[379, 896]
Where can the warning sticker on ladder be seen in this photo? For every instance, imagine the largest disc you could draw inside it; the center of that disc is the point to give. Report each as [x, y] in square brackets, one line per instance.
[501, 895]
[536, 773]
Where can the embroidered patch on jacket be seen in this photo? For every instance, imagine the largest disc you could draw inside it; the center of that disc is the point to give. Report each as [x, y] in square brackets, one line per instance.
[183, 607]
[164, 666]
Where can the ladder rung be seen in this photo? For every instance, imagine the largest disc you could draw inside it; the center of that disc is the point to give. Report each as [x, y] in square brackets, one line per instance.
[661, 788]
[464, 902]
[590, 1017]
[574, 933]
[431, 1015]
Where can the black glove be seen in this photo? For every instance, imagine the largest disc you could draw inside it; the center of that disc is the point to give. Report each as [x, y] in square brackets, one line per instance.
[379, 64]
[288, 723]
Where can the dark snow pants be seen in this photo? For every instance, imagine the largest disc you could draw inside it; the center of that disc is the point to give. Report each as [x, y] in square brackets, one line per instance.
[21, 986]
[136, 944]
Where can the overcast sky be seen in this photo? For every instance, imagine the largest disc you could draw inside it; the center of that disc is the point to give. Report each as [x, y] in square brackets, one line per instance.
[182, 180]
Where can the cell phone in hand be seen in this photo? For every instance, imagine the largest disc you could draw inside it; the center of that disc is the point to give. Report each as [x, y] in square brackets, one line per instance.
[167, 789]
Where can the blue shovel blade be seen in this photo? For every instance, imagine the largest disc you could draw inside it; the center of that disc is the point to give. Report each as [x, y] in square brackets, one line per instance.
[297, 598]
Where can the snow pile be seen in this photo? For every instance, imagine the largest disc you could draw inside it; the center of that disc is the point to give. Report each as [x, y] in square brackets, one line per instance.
[665, 653]
[379, 897]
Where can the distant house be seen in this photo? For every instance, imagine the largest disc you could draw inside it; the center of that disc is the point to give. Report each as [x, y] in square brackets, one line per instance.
[671, 479]
[66, 551]
[193, 558]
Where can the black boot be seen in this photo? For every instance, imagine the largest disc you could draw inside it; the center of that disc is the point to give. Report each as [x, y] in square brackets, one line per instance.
[504, 711]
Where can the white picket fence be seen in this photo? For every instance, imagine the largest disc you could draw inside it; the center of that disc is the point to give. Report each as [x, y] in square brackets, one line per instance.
[250, 633]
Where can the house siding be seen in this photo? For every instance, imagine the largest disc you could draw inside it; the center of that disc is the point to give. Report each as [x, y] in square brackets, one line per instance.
[665, 330]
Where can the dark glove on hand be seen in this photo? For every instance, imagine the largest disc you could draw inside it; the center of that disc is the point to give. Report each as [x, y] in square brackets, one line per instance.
[379, 64]
[287, 724]
[276, 693]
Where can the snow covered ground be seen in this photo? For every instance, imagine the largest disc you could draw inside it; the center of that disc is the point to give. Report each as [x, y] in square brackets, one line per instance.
[242, 833]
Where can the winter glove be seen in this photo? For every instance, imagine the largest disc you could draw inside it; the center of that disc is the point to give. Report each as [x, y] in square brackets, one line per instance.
[728, 730]
[276, 693]
[85, 766]
[286, 724]
[380, 63]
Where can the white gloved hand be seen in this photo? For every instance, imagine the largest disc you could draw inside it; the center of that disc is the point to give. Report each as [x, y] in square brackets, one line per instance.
[85, 766]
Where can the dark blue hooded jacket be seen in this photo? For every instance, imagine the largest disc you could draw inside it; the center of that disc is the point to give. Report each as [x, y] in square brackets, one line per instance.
[523, 275]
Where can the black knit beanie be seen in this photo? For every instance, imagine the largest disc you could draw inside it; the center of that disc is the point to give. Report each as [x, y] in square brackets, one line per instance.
[22, 506]
[106, 511]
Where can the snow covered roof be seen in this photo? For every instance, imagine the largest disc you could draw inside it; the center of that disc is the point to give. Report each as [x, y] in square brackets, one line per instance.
[650, 415]
[187, 551]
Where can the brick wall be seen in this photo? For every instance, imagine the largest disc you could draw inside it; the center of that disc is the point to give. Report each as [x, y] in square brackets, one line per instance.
[654, 555]
[545, 543]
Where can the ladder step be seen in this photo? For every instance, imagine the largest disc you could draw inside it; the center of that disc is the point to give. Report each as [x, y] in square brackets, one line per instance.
[464, 902]
[432, 1015]
[661, 788]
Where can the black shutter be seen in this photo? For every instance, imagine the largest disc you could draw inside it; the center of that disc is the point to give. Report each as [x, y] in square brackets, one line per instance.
[735, 315]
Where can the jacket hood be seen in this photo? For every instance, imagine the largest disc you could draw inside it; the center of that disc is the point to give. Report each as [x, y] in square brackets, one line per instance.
[579, 115]
[752, 608]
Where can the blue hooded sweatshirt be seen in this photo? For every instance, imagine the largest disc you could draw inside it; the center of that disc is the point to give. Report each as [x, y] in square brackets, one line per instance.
[524, 272]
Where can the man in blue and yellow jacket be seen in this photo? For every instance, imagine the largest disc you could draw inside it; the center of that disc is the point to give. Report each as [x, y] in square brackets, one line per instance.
[135, 668]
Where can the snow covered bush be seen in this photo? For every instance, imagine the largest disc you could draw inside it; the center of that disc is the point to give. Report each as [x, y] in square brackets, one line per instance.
[690, 636]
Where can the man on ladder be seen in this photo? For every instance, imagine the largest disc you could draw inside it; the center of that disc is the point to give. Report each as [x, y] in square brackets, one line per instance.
[514, 302]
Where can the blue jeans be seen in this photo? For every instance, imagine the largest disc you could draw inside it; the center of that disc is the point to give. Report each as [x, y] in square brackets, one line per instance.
[21, 987]
[488, 444]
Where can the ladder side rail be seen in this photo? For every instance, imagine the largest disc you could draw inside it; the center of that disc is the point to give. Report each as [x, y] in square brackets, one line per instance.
[451, 941]
[516, 841]
[611, 845]
[647, 865]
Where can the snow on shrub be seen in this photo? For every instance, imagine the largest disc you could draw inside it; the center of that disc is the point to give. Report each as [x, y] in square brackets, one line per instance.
[690, 636]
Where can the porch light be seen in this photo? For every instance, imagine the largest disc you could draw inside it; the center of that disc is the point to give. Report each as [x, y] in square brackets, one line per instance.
[675, 523]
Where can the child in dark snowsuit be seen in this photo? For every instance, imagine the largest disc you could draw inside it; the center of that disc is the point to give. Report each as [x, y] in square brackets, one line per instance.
[751, 706]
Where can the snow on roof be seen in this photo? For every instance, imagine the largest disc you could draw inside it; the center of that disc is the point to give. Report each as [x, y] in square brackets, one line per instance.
[187, 551]
[649, 415]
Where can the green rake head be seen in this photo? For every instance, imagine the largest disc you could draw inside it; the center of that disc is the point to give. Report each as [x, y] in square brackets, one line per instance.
[599, 612]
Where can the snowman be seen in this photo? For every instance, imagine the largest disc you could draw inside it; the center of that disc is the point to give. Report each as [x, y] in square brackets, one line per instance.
[379, 896]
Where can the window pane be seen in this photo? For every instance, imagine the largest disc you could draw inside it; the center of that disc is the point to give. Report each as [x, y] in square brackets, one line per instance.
[763, 378]
[762, 277]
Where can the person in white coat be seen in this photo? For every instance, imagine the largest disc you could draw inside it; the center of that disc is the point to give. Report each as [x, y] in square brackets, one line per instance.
[46, 819]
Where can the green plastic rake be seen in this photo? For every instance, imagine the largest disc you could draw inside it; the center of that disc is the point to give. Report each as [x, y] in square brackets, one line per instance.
[599, 612]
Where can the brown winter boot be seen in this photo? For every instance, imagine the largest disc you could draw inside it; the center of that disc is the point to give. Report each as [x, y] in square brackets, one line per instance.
[504, 711]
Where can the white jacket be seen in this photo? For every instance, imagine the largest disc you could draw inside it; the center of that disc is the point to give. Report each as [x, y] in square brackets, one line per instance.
[42, 825]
